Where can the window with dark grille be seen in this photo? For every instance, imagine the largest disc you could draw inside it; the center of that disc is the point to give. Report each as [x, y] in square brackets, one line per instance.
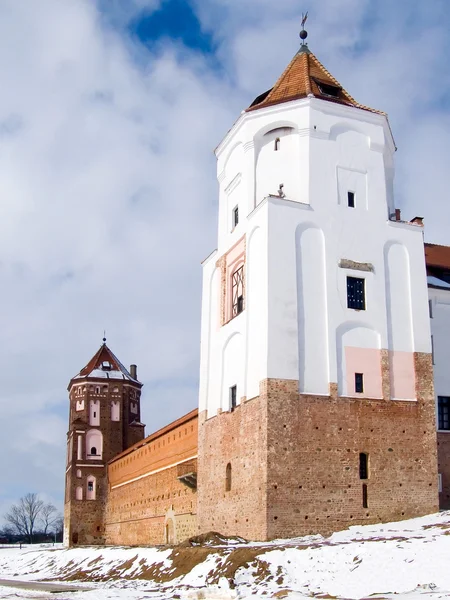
[364, 496]
[363, 465]
[444, 412]
[351, 199]
[90, 486]
[233, 397]
[238, 291]
[235, 216]
[356, 297]
[228, 478]
[359, 383]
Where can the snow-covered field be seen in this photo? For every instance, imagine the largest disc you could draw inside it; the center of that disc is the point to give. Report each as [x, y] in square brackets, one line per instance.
[409, 559]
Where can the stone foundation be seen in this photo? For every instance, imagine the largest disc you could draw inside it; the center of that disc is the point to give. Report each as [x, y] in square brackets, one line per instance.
[295, 461]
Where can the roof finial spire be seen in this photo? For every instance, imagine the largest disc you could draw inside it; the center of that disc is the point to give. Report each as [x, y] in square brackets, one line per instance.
[303, 33]
[104, 336]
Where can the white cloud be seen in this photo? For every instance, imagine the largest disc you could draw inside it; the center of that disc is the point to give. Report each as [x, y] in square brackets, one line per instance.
[107, 184]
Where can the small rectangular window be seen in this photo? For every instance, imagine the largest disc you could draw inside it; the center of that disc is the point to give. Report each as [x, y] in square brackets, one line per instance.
[233, 397]
[364, 496]
[432, 350]
[351, 199]
[90, 486]
[235, 216]
[440, 483]
[363, 466]
[444, 413]
[356, 296]
[430, 308]
[359, 383]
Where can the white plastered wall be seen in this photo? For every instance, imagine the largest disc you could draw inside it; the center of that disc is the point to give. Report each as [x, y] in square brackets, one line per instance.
[296, 302]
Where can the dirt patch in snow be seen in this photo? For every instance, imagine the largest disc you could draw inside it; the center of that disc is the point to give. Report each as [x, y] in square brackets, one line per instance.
[180, 562]
[212, 538]
[240, 557]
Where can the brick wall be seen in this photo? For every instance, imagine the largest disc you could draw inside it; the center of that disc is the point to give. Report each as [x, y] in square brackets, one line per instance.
[145, 492]
[307, 481]
[240, 439]
[314, 486]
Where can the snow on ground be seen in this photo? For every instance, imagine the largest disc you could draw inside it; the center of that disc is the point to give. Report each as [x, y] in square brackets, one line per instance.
[405, 560]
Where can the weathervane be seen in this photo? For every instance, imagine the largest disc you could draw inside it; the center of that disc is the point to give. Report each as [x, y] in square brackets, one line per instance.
[303, 33]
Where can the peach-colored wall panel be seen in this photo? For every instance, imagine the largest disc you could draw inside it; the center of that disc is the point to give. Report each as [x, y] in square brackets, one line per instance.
[403, 375]
[368, 362]
[236, 253]
[235, 258]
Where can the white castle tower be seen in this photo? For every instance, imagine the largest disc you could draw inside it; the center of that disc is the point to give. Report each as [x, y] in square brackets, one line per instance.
[316, 394]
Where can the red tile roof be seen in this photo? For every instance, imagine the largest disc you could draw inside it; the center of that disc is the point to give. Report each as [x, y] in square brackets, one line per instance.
[303, 77]
[95, 369]
[437, 256]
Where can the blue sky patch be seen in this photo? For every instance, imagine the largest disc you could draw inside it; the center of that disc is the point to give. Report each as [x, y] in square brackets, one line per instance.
[175, 20]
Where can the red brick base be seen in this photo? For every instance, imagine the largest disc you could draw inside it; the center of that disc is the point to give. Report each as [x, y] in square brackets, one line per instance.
[295, 461]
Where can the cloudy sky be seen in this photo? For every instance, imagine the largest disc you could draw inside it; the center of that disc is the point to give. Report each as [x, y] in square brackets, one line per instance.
[109, 114]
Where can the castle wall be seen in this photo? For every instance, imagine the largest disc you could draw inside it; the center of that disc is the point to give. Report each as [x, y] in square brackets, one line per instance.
[147, 503]
[312, 483]
[237, 438]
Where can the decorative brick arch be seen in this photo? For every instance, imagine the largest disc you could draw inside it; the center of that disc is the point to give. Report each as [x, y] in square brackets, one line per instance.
[170, 531]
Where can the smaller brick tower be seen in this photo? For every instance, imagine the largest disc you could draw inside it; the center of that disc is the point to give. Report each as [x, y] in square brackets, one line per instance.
[104, 420]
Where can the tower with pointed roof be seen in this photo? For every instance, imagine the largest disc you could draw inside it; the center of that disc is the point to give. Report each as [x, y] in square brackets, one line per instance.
[316, 405]
[104, 420]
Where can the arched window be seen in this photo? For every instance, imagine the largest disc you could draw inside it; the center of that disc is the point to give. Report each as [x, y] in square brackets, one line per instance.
[79, 473]
[94, 412]
[115, 411]
[228, 478]
[79, 493]
[363, 465]
[94, 444]
[91, 488]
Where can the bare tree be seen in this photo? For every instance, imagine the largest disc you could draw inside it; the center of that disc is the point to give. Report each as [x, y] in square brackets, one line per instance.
[58, 527]
[24, 515]
[47, 517]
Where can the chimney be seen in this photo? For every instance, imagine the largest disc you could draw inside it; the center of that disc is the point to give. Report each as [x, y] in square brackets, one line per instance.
[417, 221]
[133, 371]
[397, 214]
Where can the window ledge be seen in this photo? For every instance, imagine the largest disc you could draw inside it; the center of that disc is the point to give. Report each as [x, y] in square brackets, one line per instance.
[361, 396]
